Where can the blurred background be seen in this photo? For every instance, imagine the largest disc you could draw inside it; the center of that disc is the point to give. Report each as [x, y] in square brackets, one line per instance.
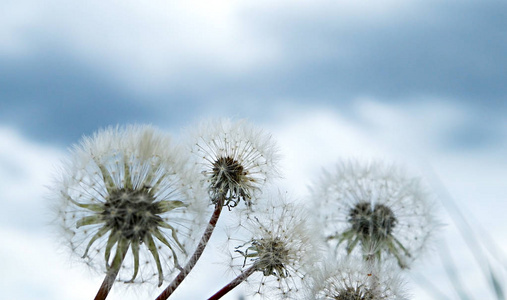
[421, 83]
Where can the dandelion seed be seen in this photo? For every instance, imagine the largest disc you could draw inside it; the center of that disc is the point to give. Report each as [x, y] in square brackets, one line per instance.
[126, 204]
[236, 160]
[377, 208]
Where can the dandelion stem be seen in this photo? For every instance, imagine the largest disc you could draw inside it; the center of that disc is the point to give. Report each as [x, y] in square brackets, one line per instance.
[234, 283]
[108, 282]
[197, 254]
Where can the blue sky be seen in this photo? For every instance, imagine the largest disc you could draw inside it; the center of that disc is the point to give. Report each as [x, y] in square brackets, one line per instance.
[418, 82]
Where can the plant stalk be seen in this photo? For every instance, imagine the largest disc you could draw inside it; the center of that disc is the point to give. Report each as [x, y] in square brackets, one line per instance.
[197, 254]
[108, 282]
[234, 283]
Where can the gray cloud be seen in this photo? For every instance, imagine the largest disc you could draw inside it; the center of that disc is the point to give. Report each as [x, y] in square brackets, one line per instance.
[450, 50]
[55, 98]
[323, 56]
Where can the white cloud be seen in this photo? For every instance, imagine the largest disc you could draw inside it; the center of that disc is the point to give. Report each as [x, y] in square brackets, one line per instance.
[313, 139]
[16, 19]
[24, 172]
[32, 269]
[144, 43]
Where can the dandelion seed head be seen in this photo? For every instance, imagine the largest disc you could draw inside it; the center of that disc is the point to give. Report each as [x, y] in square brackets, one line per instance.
[236, 160]
[376, 209]
[279, 243]
[124, 198]
[352, 278]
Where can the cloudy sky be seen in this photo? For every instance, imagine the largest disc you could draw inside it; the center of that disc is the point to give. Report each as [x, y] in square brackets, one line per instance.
[422, 83]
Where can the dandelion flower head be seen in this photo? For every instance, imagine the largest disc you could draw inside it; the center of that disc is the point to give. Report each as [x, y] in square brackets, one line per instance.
[236, 160]
[375, 207]
[123, 201]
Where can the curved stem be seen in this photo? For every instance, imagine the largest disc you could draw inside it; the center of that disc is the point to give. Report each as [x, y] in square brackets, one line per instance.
[195, 257]
[234, 283]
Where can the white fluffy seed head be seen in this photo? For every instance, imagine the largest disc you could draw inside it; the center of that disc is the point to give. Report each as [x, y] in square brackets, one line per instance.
[126, 191]
[235, 158]
[352, 278]
[279, 241]
[376, 209]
